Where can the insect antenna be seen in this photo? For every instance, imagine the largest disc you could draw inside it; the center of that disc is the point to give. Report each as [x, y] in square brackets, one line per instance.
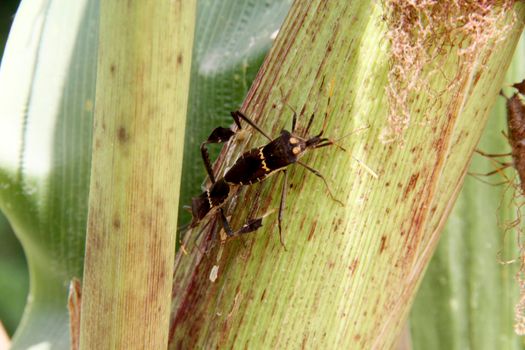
[328, 142]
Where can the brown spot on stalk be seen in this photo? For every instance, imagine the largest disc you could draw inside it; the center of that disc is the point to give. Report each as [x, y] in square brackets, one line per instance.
[411, 185]
[263, 294]
[353, 265]
[338, 223]
[116, 223]
[122, 134]
[382, 247]
[312, 230]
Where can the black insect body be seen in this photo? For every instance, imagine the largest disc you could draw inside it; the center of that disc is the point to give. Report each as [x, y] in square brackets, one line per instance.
[214, 197]
[251, 167]
[257, 164]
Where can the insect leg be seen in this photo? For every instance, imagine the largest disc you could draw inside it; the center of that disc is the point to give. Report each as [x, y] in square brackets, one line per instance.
[181, 230]
[493, 155]
[294, 117]
[221, 135]
[226, 224]
[239, 115]
[310, 121]
[325, 121]
[294, 120]
[503, 167]
[218, 135]
[318, 174]
[250, 226]
[281, 208]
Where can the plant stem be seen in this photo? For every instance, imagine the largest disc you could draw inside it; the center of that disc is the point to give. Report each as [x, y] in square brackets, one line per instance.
[141, 100]
[350, 273]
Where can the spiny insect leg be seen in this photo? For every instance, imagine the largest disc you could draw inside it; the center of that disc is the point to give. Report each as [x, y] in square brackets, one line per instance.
[281, 207]
[318, 174]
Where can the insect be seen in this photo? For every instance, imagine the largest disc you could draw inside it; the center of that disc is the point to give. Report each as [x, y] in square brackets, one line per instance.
[255, 166]
[516, 124]
[516, 137]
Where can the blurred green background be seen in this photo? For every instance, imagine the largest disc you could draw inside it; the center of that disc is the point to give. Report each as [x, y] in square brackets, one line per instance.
[14, 278]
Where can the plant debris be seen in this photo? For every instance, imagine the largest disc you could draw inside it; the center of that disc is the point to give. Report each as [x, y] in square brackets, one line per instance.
[422, 33]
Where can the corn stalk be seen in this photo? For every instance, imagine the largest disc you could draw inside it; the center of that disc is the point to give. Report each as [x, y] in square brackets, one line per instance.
[350, 273]
[142, 90]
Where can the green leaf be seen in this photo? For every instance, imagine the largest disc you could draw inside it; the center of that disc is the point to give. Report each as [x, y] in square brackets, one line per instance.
[47, 82]
[14, 278]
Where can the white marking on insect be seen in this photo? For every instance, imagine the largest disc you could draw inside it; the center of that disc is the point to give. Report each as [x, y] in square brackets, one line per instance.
[209, 198]
[263, 161]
